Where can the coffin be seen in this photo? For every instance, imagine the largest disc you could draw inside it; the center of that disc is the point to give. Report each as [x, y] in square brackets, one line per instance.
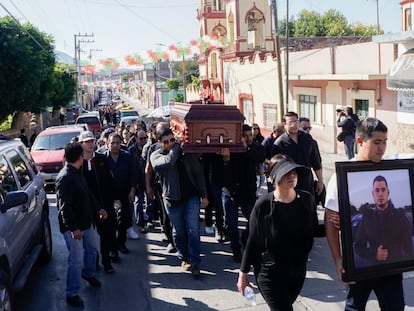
[207, 128]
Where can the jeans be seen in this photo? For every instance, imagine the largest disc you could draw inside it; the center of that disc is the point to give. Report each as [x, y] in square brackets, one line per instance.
[349, 142]
[139, 216]
[81, 259]
[186, 228]
[388, 289]
[231, 210]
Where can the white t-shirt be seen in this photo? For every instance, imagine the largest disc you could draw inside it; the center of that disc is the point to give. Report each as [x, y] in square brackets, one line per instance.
[331, 201]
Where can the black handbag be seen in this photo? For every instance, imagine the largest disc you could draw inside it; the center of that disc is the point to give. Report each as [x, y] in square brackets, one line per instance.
[341, 137]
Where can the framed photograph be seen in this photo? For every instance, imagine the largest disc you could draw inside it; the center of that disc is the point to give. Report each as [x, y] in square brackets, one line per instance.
[376, 212]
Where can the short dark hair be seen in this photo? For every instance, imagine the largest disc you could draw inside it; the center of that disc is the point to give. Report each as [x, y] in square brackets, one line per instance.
[304, 119]
[290, 114]
[366, 127]
[349, 110]
[164, 131]
[73, 151]
[380, 178]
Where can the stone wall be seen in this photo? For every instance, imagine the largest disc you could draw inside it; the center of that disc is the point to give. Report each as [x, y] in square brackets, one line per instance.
[304, 44]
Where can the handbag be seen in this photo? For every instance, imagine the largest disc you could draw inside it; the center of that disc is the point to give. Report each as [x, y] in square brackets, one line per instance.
[341, 137]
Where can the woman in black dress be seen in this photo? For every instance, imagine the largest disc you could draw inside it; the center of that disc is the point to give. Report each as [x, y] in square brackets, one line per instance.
[280, 237]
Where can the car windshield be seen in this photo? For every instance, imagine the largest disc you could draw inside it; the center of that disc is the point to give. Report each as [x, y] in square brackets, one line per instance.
[88, 120]
[126, 113]
[53, 141]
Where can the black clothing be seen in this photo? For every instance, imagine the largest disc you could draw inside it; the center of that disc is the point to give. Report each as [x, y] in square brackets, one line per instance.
[280, 239]
[267, 143]
[388, 289]
[239, 174]
[303, 152]
[24, 139]
[390, 228]
[101, 184]
[76, 209]
[348, 124]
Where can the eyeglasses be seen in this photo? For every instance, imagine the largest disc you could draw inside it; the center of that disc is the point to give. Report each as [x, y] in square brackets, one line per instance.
[305, 128]
[143, 138]
[167, 141]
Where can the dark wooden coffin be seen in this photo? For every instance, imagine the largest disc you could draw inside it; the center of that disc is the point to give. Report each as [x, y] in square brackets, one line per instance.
[206, 128]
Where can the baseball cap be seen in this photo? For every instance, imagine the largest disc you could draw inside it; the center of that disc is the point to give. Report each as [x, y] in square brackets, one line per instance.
[85, 136]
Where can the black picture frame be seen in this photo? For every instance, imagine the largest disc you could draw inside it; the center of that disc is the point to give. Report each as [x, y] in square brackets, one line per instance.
[364, 227]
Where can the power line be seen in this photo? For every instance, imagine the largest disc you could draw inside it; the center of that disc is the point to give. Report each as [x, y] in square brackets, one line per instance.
[22, 28]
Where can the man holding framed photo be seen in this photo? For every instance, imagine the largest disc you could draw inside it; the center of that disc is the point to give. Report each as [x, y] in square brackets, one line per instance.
[371, 137]
[384, 232]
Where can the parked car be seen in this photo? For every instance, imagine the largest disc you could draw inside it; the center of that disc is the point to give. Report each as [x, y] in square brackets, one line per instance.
[129, 120]
[25, 233]
[92, 119]
[48, 149]
[128, 113]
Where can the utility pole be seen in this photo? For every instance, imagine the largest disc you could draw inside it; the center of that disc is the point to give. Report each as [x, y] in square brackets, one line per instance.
[287, 55]
[77, 63]
[93, 50]
[184, 81]
[279, 63]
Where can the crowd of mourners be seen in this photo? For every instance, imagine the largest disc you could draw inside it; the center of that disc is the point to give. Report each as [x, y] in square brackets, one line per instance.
[138, 177]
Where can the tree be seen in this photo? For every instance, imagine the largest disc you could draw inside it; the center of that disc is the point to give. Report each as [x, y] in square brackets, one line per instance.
[332, 23]
[173, 84]
[309, 24]
[26, 67]
[64, 85]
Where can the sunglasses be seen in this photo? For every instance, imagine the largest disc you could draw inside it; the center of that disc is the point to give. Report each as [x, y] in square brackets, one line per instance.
[143, 138]
[255, 128]
[305, 128]
[171, 140]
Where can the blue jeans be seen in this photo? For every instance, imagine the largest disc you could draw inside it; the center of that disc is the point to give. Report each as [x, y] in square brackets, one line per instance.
[81, 259]
[349, 142]
[231, 210]
[184, 218]
[139, 217]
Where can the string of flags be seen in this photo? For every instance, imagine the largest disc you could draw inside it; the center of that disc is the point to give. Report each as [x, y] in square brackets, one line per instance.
[173, 52]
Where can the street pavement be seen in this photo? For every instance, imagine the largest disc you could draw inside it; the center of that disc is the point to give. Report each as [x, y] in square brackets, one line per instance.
[216, 289]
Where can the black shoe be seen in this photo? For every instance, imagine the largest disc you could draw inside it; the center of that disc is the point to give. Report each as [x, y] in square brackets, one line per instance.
[108, 269]
[75, 301]
[237, 256]
[93, 281]
[171, 248]
[123, 249]
[195, 271]
[114, 257]
[220, 237]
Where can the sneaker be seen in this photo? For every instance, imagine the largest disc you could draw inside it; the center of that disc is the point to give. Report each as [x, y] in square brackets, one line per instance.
[93, 281]
[186, 266]
[108, 269]
[171, 248]
[132, 234]
[75, 301]
[195, 271]
[209, 230]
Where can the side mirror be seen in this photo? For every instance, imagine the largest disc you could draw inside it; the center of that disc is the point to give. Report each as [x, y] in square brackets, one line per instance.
[13, 199]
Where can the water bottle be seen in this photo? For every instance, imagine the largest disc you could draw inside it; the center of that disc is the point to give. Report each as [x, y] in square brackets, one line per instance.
[250, 295]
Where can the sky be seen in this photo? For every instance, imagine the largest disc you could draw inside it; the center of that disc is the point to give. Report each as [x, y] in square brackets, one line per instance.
[126, 27]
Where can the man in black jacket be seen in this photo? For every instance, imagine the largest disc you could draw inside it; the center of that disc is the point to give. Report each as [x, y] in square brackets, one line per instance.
[100, 181]
[76, 213]
[240, 187]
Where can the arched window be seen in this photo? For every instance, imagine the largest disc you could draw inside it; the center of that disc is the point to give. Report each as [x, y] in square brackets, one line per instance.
[255, 27]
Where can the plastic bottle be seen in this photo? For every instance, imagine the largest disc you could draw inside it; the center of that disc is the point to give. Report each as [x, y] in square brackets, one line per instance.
[250, 295]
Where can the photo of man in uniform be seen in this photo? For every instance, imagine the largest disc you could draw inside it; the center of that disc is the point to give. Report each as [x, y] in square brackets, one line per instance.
[384, 233]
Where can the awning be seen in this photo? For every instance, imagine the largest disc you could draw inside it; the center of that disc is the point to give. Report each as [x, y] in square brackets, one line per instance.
[401, 74]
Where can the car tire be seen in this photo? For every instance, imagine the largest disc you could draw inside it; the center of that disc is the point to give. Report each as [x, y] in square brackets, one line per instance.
[45, 239]
[6, 294]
